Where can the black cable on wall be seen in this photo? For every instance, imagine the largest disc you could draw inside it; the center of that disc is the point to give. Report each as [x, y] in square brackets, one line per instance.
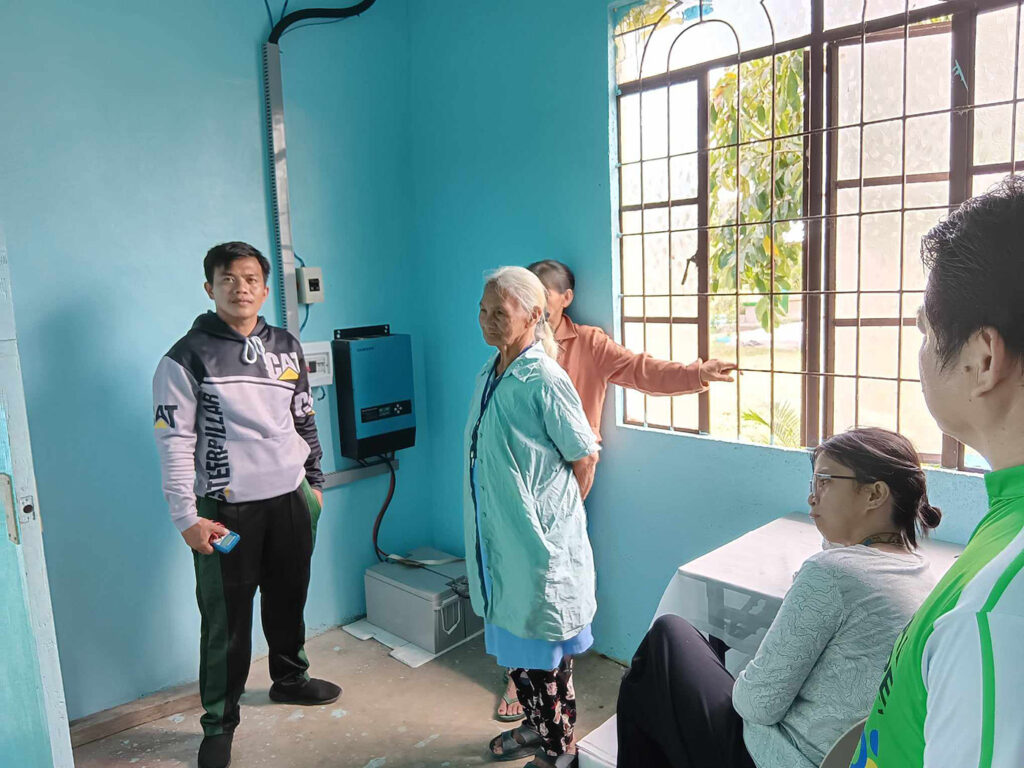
[316, 13]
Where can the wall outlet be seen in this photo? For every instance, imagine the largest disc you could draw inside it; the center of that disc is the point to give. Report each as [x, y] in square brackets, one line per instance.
[311, 284]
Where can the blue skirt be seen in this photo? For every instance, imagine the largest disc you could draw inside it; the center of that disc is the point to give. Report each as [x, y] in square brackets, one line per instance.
[524, 652]
[528, 653]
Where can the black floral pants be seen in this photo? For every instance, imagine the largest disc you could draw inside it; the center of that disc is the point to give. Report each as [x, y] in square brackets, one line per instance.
[549, 700]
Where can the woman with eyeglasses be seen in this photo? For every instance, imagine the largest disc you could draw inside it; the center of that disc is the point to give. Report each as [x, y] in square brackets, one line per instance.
[817, 670]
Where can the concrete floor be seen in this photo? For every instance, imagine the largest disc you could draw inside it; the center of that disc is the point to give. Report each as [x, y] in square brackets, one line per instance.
[390, 716]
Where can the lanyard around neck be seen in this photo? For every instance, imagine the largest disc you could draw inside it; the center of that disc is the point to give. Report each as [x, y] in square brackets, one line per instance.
[485, 398]
[493, 380]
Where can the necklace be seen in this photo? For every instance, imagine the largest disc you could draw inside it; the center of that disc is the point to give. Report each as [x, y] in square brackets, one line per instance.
[889, 537]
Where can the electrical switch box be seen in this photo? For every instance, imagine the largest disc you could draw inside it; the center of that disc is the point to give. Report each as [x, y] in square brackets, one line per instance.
[311, 284]
[319, 363]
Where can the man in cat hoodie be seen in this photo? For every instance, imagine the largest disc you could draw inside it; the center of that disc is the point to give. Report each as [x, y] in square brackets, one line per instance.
[233, 419]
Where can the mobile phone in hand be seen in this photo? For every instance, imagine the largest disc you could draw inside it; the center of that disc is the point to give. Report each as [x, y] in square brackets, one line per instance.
[225, 543]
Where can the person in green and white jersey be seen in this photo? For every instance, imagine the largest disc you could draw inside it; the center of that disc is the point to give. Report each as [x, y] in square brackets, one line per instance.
[950, 695]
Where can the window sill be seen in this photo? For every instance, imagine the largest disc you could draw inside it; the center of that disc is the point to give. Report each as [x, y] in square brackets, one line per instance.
[967, 473]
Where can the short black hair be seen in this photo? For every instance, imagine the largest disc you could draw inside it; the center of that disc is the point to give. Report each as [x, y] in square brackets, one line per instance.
[555, 275]
[225, 254]
[976, 258]
[875, 454]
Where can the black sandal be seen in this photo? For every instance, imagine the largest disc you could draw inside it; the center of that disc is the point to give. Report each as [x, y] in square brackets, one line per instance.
[511, 747]
[542, 759]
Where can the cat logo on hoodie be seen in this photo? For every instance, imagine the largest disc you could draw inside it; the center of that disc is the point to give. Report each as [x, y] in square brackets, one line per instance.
[164, 417]
[283, 366]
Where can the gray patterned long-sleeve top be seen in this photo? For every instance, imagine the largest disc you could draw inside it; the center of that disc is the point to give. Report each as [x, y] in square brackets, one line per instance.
[817, 670]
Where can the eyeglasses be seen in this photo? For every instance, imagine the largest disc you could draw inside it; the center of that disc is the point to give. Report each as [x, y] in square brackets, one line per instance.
[819, 480]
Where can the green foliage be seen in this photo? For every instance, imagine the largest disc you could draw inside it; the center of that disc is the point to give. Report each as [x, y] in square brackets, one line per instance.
[757, 183]
[787, 425]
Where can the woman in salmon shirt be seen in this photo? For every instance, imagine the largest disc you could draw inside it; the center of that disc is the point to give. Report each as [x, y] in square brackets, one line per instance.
[593, 360]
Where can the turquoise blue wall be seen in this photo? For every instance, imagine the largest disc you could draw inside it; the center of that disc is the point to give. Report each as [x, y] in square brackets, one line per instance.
[427, 143]
[132, 140]
[510, 164]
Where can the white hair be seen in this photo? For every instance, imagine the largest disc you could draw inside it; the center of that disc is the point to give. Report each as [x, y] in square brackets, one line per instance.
[526, 288]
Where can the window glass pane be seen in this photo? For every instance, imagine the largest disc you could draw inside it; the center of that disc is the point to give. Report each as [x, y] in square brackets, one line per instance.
[930, 194]
[928, 144]
[849, 153]
[983, 182]
[789, 337]
[628, 49]
[632, 222]
[755, 404]
[722, 400]
[683, 177]
[792, 18]
[881, 197]
[632, 306]
[684, 350]
[879, 305]
[683, 114]
[916, 422]
[876, 404]
[723, 127]
[848, 84]
[684, 217]
[847, 249]
[928, 83]
[629, 128]
[678, 43]
[846, 350]
[883, 148]
[632, 265]
[654, 123]
[787, 414]
[633, 338]
[629, 184]
[723, 343]
[656, 275]
[656, 219]
[843, 409]
[722, 196]
[841, 13]
[915, 226]
[878, 351]
[883, 79]
[772, 414]
[880, 253]
[655, 181]
[994, 55]
[992, 126]
[911, 345]
[634, 406]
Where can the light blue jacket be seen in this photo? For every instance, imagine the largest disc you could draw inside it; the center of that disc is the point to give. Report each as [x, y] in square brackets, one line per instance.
[532, 520]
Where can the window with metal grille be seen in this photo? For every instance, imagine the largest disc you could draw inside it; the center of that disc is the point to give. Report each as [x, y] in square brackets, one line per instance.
[778, 163]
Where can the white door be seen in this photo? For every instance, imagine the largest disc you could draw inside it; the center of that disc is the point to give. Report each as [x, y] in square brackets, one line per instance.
[33, 716]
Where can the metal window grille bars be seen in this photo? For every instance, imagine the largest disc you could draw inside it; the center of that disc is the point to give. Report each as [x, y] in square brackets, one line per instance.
[772, 199]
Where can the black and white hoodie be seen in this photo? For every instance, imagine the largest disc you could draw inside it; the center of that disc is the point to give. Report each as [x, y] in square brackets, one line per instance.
[233, 417]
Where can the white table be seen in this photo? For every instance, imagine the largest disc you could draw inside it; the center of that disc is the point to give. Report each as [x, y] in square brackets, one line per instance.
[732, 595]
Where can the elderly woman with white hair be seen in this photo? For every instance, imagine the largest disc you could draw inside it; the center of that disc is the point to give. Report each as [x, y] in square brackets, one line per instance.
[531, 569]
